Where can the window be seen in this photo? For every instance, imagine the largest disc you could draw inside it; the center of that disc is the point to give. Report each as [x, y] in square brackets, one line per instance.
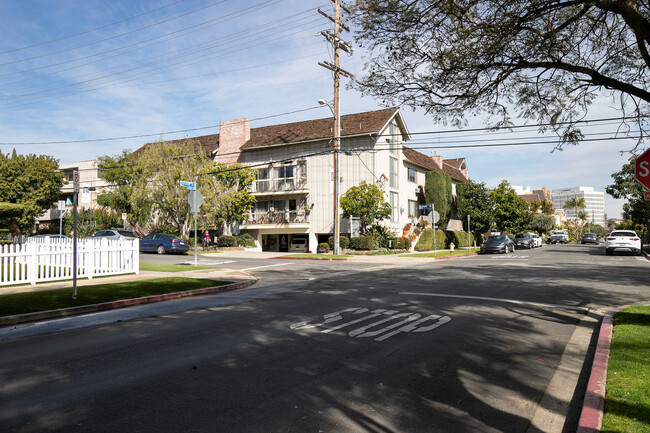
[394, 204]
[411, 174]
[413, 209]
[262, 183]
[283, 177]
[394, 180]
[394, 138]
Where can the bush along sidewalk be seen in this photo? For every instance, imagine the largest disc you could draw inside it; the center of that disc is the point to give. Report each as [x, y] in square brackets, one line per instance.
[443, 240]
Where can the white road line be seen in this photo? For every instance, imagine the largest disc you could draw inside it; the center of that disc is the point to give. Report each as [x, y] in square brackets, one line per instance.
[268, 266]
[509, 301]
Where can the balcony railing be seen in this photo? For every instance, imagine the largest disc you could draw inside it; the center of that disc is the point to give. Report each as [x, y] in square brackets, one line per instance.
[277, 217]
[279, 185]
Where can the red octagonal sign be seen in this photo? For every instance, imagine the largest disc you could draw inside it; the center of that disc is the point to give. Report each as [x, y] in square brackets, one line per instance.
[642, 169]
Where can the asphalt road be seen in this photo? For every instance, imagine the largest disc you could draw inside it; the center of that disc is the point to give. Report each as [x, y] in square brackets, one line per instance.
[394, 345]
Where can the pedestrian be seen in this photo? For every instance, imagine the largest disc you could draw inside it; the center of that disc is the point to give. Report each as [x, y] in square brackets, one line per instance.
[206, 240]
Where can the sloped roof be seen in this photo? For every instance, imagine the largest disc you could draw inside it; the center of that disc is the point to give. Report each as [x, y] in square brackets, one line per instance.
[426, 162]
[370, 122]
[456, 162]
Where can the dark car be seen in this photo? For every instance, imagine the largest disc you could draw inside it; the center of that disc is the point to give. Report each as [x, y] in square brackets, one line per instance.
[161, 243]
[589, 238]
[524, 240]
[114, 234]
[497, 244]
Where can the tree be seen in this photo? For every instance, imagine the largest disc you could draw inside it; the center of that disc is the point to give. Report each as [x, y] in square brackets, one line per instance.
[33, 182]
[474, 199]
[366, 202]
[125, 174]
[545, 58]
[510, 211]
[437, 191]
[547, 207]
[625, 186]
[542, 223]
[578, 203]
[226, 194]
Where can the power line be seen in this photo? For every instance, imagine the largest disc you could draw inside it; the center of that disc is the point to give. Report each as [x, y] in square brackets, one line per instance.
[89, 30]
[94, 140]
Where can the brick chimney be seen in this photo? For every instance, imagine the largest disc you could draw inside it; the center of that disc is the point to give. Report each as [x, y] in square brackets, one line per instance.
[233, 134]
[438, 160]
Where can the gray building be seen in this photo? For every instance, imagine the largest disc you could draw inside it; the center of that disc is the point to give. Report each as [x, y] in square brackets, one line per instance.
[594, 201]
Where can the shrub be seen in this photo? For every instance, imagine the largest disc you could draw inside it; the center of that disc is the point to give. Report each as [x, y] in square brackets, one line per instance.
[403, 243]
[344, 242]
[323, 248]
[6, 242]
[425, 243]
[383, 238]
[246, 240]
[227, 241]
[363, 243]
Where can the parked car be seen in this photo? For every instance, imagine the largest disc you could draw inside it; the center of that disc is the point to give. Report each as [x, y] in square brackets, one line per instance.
[623, 241]
[114, 234]
[299, 244]
[524, 240]
[538, 240]
[561, 236]
[161, 243]
[589, 238]
[497, 244]
[46, 236]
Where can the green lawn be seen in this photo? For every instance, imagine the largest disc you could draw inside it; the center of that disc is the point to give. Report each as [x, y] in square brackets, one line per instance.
[44, 300]
[442, 253]
[627, 402]
[157, 267]
[318, 256]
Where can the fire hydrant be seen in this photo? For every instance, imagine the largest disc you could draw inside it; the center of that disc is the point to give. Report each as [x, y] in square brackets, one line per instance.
[451, 248]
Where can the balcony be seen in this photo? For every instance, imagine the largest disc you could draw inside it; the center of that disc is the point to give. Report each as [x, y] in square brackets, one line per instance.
[283, 185]
[276, 218]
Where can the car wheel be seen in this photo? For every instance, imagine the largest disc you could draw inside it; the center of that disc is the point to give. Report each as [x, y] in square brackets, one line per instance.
[160, 249]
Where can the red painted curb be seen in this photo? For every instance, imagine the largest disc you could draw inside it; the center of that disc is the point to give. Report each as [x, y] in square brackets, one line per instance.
[591, 419]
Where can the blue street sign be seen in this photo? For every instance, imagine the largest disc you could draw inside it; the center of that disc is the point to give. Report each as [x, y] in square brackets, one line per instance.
[425, 207]
[189, 185]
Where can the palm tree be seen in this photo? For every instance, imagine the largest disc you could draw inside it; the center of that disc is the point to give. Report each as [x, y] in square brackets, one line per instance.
[576, 203]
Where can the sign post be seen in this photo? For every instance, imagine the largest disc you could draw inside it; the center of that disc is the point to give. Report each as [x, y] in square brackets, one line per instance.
[195, 200]
[469, 235]
[61, 207]
[75, 195]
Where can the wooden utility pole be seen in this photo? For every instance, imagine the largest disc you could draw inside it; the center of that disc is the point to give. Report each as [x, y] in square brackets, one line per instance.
[338, 45]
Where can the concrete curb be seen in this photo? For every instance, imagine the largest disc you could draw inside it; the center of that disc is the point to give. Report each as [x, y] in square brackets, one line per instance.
[342, 259]
[591, 418]
[65, 312]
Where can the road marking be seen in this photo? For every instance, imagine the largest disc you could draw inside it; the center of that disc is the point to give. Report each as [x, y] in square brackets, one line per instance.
[509, 301]
[412, 322]
[267, 266]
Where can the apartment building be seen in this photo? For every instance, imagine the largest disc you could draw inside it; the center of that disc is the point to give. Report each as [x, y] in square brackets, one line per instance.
[295, 173]
[594, 201]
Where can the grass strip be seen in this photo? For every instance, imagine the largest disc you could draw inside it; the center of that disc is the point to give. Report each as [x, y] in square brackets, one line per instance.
[317, 256]
[442, 253]
[627, 401]
[45, 300]
[159, 267]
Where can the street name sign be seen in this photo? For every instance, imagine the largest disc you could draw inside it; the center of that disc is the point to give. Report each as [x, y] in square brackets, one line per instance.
[642, 169]
[189, 185]
[425, 207]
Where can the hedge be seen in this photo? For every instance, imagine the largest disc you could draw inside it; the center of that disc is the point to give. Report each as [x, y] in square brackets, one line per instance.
[246, 240]
[226, 241]
[402, 243]
[425, 243]
[458, 238]
[363, 243]
[344, 242]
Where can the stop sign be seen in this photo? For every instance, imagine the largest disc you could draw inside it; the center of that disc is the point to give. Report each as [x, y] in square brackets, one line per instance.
[642, 169]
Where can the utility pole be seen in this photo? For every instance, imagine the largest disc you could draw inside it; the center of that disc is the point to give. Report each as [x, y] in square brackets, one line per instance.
[338, 45]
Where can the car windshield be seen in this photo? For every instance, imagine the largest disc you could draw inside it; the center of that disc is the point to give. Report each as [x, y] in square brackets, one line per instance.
[520, 235]
[496, 239]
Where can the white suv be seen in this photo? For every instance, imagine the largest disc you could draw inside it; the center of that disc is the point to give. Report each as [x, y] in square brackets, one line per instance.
[623, 241]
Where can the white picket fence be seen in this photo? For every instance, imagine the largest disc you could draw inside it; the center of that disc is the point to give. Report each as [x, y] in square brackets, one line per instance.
[40, 260]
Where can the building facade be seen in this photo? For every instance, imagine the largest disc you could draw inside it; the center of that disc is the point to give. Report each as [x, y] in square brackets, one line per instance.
[594, 203]
[294, 187]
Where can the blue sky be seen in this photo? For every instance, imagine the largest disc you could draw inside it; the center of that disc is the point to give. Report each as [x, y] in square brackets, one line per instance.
[74, 71]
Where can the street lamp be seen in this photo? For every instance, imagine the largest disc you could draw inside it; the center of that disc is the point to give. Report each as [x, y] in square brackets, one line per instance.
[337, 138]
